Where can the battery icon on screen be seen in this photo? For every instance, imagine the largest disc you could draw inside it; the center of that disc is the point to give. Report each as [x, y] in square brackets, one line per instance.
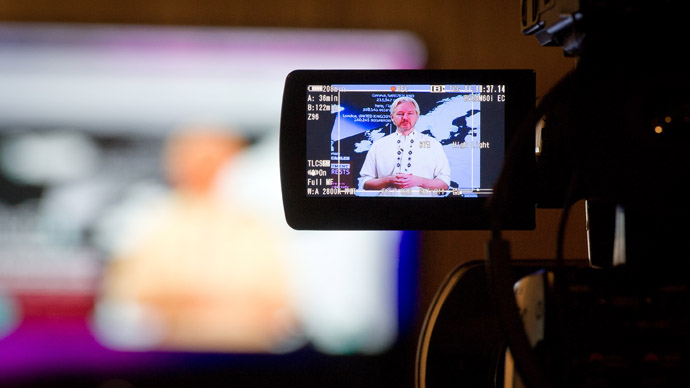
[315, 88]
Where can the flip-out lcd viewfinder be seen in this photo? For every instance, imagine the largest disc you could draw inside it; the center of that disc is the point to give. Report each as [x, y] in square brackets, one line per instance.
[399, 149]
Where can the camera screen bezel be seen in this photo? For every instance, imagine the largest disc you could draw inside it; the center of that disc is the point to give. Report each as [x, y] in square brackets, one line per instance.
[304, 212]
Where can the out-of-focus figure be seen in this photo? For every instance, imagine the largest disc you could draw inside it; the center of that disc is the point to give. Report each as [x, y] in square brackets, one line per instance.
[195, 271]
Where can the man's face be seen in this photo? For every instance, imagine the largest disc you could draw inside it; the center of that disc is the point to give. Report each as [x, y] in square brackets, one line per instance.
[405, 116]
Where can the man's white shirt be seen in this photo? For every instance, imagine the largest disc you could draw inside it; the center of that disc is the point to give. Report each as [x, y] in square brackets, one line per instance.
[415, 154]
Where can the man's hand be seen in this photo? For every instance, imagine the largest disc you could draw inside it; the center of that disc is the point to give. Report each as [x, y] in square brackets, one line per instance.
[404, 181]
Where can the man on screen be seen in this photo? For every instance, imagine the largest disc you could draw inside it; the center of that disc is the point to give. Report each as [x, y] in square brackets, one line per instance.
[407, 158]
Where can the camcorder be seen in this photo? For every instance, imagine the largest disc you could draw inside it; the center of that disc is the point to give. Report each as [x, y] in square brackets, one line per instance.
[475, 150]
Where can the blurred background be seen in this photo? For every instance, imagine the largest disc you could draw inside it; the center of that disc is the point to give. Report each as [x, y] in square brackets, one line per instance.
[142, 241]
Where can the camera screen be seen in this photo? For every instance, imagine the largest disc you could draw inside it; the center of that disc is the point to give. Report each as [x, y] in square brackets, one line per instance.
[450, 135]
[361, 148]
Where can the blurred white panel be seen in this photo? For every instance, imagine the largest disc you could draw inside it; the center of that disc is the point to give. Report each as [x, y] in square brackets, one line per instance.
[115, 77]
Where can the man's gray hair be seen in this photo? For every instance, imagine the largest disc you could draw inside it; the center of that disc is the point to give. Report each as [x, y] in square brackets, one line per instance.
[401, 100]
